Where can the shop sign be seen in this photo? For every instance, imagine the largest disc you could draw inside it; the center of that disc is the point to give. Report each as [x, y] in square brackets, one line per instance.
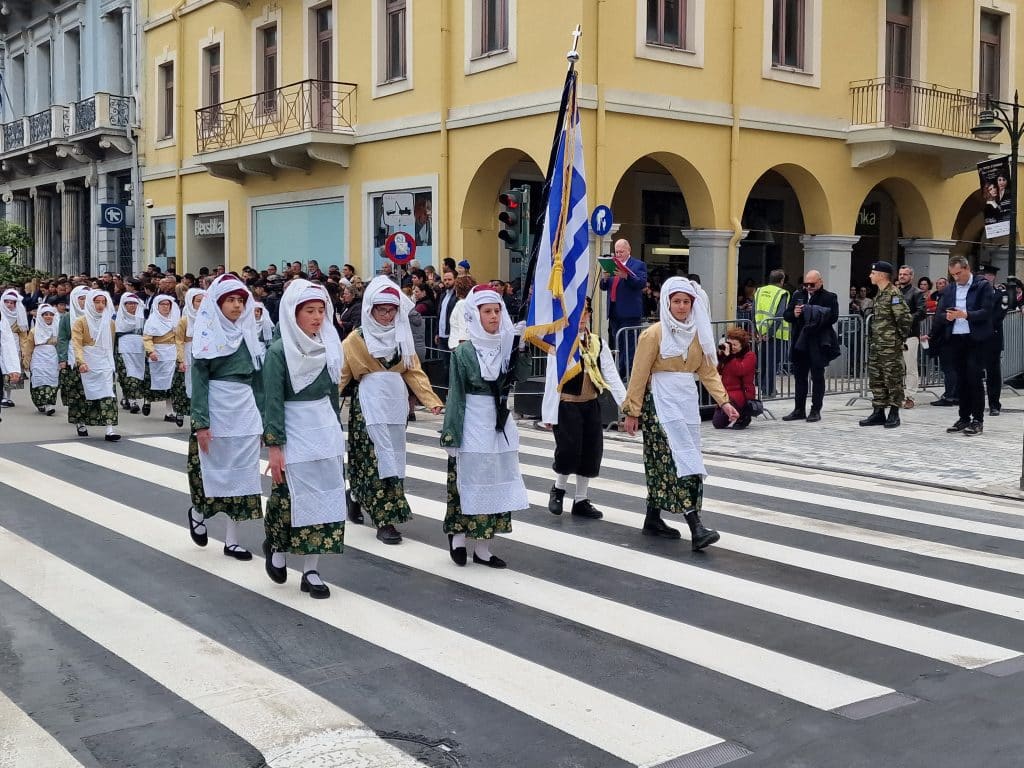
[209, 226]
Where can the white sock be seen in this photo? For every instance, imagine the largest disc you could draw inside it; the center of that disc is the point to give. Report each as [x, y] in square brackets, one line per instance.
[110, 429]
[561, 481]
[458, 540]
[482, 549]
[582, 484]
[309, 563]
[198, 521]
[170, 408]
[278, 560]
[230, 532]
[79, 426]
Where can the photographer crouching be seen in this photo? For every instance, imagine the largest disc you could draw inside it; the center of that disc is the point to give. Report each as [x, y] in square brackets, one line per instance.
[737, 364]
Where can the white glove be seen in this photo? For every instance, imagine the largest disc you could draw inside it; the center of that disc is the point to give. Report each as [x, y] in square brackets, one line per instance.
[520, 328]
[452, 452]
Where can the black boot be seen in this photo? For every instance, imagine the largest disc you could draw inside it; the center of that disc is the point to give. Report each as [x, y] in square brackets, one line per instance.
[700, 536]
[555, 500]
[894, 418]
[655, 526]
[876, 419]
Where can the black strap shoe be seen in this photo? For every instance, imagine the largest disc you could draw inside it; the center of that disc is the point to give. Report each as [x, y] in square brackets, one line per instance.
[113, 437]
[179, 420]
[237, 552]
[555, 500]
[494, 562]
[316, 591]
[277, 575]
[458, 554]
[134, 409]
[170, 417]
[199, 537]
[82, 432]
[354, 509]
[389, 534]
[795, 416]
[583, 508]
[146, 408]
[700, 536]
[876, 419]
[814, 416]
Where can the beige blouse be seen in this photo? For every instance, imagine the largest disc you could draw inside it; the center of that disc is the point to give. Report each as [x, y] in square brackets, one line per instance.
[80, 337]
[171, 337]
[359, 362]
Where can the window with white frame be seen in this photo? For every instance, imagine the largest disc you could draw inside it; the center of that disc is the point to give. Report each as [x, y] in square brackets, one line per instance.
[666, 23]
[493, 34]
[268, 69]
[394, 40]
[788, 31]
[165, 101]
[211, 82]
[792, 41]
[670, 31]
[490, 34]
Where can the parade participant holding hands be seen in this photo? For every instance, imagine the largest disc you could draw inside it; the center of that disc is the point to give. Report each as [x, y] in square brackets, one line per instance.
[485, 484]
[41, 354]
[163, 354]
[379, 361]
[14, 312]
[131, 355]
[10, 353]
[70, 379]
[92, 340]
[302, 427]
[670, 356]
[224, 447]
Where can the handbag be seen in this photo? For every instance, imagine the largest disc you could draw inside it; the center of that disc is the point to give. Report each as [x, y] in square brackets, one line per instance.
[756, 407]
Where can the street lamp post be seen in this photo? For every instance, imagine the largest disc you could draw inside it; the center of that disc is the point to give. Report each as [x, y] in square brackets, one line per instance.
[996, 116]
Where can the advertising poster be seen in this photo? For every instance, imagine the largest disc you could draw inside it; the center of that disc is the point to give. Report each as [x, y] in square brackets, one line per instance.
[994, 176]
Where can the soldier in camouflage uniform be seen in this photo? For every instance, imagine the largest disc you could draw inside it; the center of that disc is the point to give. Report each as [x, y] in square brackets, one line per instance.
[890, 324]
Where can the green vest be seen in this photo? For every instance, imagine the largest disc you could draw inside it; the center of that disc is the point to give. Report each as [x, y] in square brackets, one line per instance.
[767, 300]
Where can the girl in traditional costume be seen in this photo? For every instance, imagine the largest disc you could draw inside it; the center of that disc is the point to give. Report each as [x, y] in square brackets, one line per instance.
[302, 427]
[485, 484]
[43, 361]
[181, 390]
[71, 393]
[14, 312]
[163, 355]
[265, 324]
[131, 355]
[670, 356]
[92, 340]
[379, 362]
[10, 353]
[224, 445]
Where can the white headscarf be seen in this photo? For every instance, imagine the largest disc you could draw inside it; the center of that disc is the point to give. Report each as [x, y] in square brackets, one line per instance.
[189, 312]
[492, 349]
[214, 335]
[126, 323]
[99, 322]
[676, 336]
[383, 341]
[74, 311]
[308, 355]
[44, 332]
[17, 316]
[266, 325]
[156, 323]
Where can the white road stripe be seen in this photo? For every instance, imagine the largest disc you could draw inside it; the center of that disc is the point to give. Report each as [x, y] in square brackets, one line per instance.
[633, 733]
[286, 722]
[25, 744]
[896, 633]
[801, 681]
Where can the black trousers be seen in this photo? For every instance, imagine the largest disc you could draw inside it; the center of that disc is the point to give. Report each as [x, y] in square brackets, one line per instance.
[992, 352]
[968, 363]
[801, 368]
[579, 439]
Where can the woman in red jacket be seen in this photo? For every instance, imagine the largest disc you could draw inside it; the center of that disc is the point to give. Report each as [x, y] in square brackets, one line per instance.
[736, 366]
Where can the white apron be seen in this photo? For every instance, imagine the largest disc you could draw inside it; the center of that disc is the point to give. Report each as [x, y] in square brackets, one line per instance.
[161, 371]
[490, 481]
[232, 465]
[98, 382]
[678, 408]
[385, 404]
[45, 366]
[313, 455]
[188, 369]
[133, 354]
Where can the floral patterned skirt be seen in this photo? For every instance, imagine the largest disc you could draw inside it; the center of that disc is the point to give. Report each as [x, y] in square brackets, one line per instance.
[43, 397]
[238, 508]
[323, 539]
[9, 386]
[95, 413]
[474, 526]
[179, 398]
[383, 499]
[131, 388]
[71, 392]
[665, 489]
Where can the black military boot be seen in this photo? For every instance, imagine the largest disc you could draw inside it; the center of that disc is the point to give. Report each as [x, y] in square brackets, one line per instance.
[894, 418]
[655, 526]
[876, 419]
[555, 500]
[700, 536]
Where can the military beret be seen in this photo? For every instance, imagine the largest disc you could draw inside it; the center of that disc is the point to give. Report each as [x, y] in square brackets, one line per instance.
[882, 266]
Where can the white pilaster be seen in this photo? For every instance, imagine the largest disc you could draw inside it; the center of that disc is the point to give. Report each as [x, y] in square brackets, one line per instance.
[830, 255]
[928, 258]
[709, 258]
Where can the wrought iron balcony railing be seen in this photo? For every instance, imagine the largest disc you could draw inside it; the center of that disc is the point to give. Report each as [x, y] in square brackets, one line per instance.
[309, 105]
[899, 102]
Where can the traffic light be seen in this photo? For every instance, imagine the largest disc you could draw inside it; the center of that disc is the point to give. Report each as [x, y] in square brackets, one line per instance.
[514, 219]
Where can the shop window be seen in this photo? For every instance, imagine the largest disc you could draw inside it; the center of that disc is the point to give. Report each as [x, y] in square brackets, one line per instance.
[164, 242]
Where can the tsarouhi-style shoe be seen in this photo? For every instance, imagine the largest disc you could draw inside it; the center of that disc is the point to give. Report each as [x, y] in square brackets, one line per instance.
[277, 575]
[555, 500]
[458, 554]
[700, 536]
[583, 508]
[316, 591]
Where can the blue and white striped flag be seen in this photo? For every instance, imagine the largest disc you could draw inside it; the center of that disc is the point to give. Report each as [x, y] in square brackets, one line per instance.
[562, 270]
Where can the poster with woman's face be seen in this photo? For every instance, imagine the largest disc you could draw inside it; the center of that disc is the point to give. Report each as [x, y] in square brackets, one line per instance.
[994, 176]
[409, 211]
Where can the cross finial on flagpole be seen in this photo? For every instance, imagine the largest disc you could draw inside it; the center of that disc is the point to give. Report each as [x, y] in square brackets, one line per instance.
[573, 56]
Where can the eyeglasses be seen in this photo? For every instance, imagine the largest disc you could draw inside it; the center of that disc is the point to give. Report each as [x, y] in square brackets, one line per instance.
[385, 309]
[811, 285]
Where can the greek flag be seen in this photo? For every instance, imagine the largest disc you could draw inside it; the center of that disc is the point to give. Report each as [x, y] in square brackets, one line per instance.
[562, 271]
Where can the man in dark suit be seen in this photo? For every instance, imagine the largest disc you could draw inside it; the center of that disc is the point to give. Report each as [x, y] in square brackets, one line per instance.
[963, 323]
[625, 301]
[812, 311]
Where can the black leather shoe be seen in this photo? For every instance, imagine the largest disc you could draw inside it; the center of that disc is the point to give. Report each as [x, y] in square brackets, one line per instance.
[6, 403]
[179, 420]
[944, 402]
[40, 409]
[795, 416]
[354, 509]
[876, 419]
[494, 562]
[814, 416]
[200, 539]
[170, 417]
[316, 591]
[555, 500]
[458, 554]
[146, 409]
[658, 527]
[82, 432]
[583, 508]
[994, 411]
[893, 419]
[958, 426]
[277, 575]
[389, 534]
[237, 552]
[113, 437]
[974, 428]
[51, 411]
[124, 404]
[700, 536]
[134, 409]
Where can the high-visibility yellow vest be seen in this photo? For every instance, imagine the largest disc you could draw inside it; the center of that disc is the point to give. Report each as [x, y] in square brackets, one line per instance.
[767, 300]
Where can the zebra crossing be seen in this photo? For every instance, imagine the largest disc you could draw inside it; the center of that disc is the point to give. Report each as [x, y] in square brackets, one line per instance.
[827, 603]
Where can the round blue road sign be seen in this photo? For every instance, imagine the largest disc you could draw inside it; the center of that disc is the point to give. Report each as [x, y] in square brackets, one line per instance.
[601, 220]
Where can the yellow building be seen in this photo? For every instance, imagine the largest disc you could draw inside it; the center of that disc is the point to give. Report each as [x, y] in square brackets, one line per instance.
[730, 137]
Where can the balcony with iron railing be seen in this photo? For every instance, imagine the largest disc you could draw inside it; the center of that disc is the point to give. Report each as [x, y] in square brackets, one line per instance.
[96, 116]
[897, 114]
[286, 127]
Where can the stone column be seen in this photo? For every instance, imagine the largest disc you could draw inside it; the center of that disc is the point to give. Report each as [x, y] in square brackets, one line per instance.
[709, 258]
[41, 235]
[20, 210]
[929, 258]
[830, 255]
[70, 230]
